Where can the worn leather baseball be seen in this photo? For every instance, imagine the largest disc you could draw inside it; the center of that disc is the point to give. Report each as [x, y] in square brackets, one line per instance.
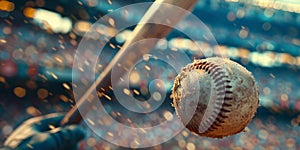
[223, 93]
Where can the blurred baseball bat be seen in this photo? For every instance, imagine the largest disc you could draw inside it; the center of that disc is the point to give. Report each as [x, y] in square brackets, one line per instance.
[141, 31]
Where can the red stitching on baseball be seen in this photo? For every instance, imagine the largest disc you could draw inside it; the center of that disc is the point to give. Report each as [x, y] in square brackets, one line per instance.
[221, 81]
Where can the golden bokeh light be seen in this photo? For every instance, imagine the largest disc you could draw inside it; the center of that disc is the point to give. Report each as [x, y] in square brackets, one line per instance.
[7, 6]
[29, 12]
[19, 92]
[42, 93]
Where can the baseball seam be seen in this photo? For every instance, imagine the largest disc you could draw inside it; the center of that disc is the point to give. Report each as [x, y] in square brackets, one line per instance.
[223, 94]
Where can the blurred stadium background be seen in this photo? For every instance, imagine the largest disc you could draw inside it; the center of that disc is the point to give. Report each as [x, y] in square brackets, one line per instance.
[38, 40]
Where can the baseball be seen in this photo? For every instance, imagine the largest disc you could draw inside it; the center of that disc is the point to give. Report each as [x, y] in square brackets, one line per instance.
[223, 94]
